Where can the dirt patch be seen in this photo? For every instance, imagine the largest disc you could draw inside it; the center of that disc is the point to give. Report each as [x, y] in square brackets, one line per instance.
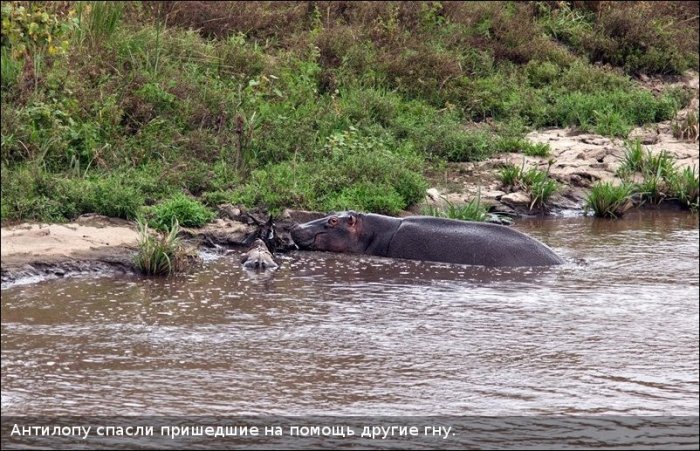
[579, 160]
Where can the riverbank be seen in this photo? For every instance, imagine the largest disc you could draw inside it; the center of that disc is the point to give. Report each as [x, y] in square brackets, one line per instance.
[92, 243]
[313, 106]
[96, 244]
[578, 160]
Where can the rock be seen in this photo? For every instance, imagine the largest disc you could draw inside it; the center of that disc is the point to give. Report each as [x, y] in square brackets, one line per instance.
[499, 219]
[228, 211]
[433, 194]
[222, 231]
[517, 199]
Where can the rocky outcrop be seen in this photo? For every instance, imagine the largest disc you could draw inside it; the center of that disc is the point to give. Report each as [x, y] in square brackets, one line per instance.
[578, 160]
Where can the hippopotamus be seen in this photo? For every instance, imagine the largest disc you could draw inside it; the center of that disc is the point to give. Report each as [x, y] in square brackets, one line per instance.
[424, 238]
[258, 257]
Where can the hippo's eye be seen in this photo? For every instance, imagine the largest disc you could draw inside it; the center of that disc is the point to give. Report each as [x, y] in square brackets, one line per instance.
[333, 221]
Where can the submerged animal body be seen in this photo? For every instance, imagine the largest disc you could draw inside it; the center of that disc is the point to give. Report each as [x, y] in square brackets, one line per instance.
[424, 238]
[258, 257]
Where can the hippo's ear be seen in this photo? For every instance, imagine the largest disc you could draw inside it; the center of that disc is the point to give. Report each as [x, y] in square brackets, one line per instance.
[352, 219]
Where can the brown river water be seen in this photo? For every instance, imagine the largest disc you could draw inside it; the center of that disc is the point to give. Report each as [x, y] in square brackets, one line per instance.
[614, 331]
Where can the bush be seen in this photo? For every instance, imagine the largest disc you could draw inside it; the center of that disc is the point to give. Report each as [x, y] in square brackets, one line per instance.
[180, 208]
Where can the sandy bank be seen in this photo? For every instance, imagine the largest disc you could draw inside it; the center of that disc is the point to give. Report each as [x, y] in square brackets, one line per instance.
[92, 243]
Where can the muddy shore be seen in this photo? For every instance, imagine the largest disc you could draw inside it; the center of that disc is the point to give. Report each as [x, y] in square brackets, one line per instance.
[98, 244]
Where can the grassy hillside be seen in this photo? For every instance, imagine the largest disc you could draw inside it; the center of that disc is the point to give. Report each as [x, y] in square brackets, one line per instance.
[120, 108]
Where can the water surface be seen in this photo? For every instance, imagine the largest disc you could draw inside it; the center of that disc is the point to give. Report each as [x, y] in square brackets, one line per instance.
[613, 331]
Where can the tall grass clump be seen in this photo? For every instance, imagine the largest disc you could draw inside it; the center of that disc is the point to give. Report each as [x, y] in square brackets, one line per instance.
[159, 254]
[516, 144]
[539, 186]
[686, 128]
[473, 210]
[658, 170]
[535, 182]
[609, 201]
[537, 150]
[11, 68]
[685, 186]
[633, 159]
[510, 175]
[97, 20]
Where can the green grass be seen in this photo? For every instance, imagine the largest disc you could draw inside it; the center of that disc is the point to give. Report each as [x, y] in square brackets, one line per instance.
[473, 210]
[518, 144]
[181, 209]
[535, 182]
[510, 175]
[686, 128]
[658, 171]
[633, 160]
[344, 108]
[539, 186]
[159, 254]
[685, 187]
[537, 150]
[609, 201]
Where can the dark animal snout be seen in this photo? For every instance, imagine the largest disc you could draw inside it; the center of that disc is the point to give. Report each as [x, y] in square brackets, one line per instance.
[303, 236]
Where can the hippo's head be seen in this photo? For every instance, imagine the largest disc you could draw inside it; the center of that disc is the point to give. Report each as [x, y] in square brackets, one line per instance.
[340, 232]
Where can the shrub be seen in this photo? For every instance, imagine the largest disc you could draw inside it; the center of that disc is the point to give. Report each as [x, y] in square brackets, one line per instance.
[180, 208]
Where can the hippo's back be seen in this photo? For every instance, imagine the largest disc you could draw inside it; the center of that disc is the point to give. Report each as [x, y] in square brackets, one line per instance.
[466, 242]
